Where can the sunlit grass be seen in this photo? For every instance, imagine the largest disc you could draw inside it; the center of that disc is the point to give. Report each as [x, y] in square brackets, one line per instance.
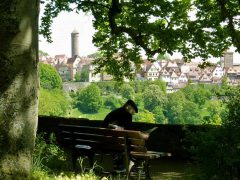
[96, 116]
[44, 175]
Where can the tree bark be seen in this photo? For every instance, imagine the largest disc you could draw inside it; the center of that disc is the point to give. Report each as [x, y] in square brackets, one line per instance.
[18, 86]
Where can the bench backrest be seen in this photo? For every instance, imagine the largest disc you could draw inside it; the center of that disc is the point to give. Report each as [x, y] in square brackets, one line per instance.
[102, 139]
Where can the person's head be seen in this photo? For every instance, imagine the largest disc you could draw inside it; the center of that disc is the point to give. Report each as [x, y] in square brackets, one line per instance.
[131, 107]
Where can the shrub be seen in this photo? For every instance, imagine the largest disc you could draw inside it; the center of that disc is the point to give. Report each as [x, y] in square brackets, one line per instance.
[53, 102]
[89, 99]
[217, 152]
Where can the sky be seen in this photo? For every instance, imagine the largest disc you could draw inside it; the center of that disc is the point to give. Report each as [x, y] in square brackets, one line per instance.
[62, 27]
[66, 22]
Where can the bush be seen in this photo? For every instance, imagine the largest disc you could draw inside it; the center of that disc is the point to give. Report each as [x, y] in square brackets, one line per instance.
[127, 91]
[53, 102]
[112, 102]
[217, 152]
[144, 116]
[89, 99]
[48, 156]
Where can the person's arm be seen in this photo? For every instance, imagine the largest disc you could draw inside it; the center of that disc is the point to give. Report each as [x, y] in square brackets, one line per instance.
[115, 126]
[145, 135]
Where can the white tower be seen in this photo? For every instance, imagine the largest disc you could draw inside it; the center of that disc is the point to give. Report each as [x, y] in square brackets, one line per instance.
[228, 59]
[75, 43]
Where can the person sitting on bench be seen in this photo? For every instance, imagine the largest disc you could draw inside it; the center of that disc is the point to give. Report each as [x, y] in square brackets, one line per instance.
[120, 119]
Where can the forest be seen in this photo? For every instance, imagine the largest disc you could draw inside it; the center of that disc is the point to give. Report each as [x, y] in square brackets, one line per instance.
[194, 104]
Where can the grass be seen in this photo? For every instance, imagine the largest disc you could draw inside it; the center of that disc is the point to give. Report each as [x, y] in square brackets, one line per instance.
[96, 116]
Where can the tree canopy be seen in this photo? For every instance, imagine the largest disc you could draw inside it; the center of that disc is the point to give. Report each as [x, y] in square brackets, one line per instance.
[124, 28]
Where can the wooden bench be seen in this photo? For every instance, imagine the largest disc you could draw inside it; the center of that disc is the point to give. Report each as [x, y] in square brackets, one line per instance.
[88, 141]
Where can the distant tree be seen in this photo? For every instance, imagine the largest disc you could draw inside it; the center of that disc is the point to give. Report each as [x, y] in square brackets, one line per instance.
[137, 86]
[215, 110]
[232, 112]
[188, 92]
[84, 75]
[153, 96]
[139, 100]
[225, 86]
[49, 77]
[106, 87]
[159, 115]
[197, 93]
[174, 108]
[140, 86]
[201, 95]
[53, 103]
[224, 82]
[160, 84]
[190, 113]
[77, 77]
[144, 116]
[127, 91]
[180, 110]
[89, 99]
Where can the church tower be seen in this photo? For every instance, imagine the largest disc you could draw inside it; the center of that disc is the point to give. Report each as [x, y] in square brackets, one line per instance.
[75, 42]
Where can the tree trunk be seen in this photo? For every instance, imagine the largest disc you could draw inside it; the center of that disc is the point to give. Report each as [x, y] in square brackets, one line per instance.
[18, 86]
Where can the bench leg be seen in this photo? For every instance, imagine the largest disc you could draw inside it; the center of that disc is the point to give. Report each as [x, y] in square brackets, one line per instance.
[90, 159]
[129, 168]
[74, 160]
[146, 169]
[141, 166]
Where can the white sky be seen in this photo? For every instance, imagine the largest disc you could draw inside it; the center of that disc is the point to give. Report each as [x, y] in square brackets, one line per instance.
[62, 27]
[66, 22]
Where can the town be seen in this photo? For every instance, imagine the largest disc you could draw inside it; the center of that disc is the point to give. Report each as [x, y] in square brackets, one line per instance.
[176, 73]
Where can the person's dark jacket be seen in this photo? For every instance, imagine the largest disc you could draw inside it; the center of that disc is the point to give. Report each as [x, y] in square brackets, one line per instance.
[119, 117]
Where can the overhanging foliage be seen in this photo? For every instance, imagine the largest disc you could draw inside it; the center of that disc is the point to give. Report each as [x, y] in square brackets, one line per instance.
[124, 28]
